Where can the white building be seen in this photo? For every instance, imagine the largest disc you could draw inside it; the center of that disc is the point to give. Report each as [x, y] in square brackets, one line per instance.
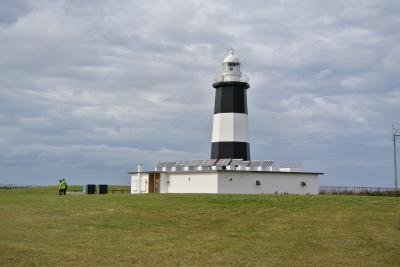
[230, 171]
[223, 176]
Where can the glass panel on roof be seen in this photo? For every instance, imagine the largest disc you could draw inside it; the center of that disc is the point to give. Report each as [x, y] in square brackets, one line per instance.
[244, 163]
[182, 163]
[267, 163]
[255, 163]
[208, 162]
[235, 162]
[195, 163]
[170, 164]
[223, 162]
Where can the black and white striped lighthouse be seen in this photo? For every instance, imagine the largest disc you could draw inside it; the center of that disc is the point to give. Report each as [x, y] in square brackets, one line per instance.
[230, 127]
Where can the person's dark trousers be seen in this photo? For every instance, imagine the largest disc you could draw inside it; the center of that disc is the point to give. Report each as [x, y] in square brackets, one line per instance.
[64, 191]
[60, 191]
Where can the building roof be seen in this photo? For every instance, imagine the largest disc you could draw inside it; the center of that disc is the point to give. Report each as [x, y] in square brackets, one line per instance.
[212, 171]
[221, 165]
[215, 162]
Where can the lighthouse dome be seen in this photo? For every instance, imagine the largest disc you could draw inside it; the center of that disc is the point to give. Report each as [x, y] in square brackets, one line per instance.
[231, 58]
[231, 70]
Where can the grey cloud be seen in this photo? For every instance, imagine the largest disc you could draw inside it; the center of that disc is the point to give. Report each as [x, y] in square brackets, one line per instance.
[12, 10]
[93, 88]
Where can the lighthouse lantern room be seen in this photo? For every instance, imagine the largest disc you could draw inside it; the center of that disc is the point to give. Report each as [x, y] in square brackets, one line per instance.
[230, 68]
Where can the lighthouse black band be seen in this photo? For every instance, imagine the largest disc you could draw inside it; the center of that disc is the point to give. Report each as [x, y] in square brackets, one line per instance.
[233, 150]
[230, 97]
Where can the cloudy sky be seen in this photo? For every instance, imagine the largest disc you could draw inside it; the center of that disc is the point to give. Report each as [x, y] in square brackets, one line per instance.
[89, 89]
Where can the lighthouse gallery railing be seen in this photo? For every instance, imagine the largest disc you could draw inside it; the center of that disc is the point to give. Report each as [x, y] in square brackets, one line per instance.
[226, 78]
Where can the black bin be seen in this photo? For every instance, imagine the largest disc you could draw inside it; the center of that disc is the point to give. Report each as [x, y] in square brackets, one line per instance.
[103, 189]
[90, 189]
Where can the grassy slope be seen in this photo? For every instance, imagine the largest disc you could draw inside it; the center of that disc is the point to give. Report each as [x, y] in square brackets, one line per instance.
[40, 228]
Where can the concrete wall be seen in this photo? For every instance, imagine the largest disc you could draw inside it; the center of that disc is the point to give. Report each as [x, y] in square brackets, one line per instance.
[191, 182]
[271, 183]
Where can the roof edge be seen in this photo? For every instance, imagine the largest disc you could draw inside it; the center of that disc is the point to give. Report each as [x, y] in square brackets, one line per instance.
[212, 171]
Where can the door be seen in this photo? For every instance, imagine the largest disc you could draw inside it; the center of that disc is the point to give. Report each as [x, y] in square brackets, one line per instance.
[154, 182]
[157, 183]
[143, 183]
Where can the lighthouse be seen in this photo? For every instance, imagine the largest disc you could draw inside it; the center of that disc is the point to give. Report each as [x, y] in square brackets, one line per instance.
[230, 170]
[230, 127]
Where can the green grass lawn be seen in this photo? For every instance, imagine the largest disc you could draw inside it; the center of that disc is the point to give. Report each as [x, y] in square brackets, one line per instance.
[40, 228]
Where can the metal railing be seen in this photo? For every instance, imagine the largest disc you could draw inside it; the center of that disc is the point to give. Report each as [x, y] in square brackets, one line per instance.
[359, 190]
[120, 191]
[222, 78]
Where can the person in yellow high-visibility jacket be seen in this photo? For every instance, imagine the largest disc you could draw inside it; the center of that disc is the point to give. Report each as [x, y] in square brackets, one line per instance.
[59, 188]
[64, 186]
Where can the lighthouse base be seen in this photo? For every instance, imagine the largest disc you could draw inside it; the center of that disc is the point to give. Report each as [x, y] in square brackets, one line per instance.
[230, 150]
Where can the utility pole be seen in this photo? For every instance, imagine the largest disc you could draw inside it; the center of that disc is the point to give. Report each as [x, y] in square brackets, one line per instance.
[395, 134]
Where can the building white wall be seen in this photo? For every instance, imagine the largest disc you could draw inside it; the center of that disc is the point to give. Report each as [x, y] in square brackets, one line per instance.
[271, 183]
[239, 182]
[134, 184]
[164, 183]
[191, 182]
[139, 182]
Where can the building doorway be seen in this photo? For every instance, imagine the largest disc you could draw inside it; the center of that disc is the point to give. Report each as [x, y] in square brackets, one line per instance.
[154, 182]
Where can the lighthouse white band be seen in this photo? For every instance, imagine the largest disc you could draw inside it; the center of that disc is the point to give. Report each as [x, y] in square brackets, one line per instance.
[230, 127]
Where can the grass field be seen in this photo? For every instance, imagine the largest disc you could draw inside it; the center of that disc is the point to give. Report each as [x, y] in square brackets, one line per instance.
[39, 228]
